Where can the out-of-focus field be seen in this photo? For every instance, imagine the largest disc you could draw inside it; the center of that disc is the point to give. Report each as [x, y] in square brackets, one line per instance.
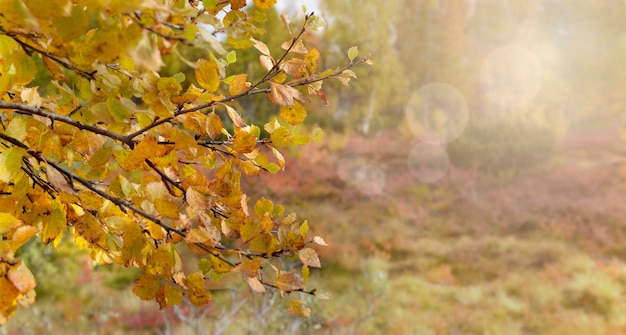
[522, 233]
[533, 251]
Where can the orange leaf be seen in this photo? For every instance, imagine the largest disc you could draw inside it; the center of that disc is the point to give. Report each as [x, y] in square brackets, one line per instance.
[147, 148]
[283, 95]
[309, 258]
[289, 281]
[235, 117]
[238, 84]
[255, 284]
[22, 278]
[249, 268]
[213, 126]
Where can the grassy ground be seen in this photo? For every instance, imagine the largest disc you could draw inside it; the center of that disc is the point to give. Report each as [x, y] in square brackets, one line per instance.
[532, 251]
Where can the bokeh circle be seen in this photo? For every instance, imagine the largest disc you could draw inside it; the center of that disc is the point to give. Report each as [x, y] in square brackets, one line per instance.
[437, 113]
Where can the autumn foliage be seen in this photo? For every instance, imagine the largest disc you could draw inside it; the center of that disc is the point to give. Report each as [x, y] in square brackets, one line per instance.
[135, 166]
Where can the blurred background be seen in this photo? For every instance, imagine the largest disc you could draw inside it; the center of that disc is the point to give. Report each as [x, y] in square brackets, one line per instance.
[471, 181]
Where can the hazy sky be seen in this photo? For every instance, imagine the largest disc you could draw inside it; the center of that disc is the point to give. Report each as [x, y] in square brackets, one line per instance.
[311, 5]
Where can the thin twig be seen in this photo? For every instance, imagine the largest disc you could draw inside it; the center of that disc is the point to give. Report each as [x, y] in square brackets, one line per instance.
[88, 75]
[137, 18]
[65, 119]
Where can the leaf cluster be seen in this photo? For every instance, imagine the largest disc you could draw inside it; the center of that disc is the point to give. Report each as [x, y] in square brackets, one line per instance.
[136, 166]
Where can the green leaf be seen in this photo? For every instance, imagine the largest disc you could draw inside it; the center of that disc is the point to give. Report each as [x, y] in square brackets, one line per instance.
[263, 206]
[231, 57]
[272, 168]
[317, 134]
[118, 111]
[190, 32]
[353, 53]
[208, 4]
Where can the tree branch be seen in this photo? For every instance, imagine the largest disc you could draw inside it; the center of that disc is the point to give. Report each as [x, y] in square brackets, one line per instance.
[27, 47]
[24, 109]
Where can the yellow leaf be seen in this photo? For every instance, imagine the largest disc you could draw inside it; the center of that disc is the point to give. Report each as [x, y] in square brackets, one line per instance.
[297, 308]
[213, 126]
[289, 281]
[244, 141]
[54, 223]
[263, 243]
[197, 235]
[262, 47]
[198, 295]
[72, 26]
[169, 295]
[264, 4]
[238, 84]
[146, 287]
[309, 258]
[305, 273]
[86, 142]
[219, 266]
[17, 128]
[156, 231]
[8, 222]
[293, 114]
[235, 117]
[281, 137]
[134, 242]
[249, 230]
[161, 261]
[312, 59]
[89, 228]
[147, 148]
[207, 75]
[22, 278]
[10, 163]
[167, 208]
[263, 206]
[237, 4]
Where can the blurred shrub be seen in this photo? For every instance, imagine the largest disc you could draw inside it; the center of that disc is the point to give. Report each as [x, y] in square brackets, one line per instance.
[502, 146]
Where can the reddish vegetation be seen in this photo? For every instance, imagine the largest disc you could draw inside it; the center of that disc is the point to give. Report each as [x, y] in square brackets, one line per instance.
[577, 195]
